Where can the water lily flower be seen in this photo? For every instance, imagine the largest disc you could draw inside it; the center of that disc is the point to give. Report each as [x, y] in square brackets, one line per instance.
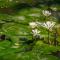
[46, 13]
[49, 24]
[35, 32]
[33, 24]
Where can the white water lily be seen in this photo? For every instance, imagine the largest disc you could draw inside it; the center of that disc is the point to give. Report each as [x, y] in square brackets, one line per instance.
[46, 13]
[35, 32]
[32, 24]
[49, 24]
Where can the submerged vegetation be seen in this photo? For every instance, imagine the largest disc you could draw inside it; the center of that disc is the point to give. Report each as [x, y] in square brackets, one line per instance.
[29, 30]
